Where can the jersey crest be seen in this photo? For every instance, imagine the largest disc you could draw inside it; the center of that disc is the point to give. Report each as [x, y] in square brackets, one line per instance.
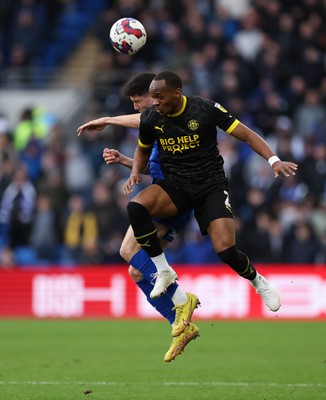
[193, 125]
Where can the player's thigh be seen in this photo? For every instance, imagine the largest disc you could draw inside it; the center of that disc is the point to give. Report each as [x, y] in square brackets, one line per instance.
[211, 206]
[222, 233]
[157, 201]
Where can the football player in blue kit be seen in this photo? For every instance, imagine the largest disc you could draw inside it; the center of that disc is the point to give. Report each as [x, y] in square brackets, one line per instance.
[175, 305]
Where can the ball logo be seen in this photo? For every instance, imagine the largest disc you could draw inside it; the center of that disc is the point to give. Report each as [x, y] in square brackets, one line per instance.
[131, 31]
[193, 125]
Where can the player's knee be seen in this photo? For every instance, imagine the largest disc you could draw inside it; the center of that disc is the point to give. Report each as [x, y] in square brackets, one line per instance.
[137, 212]
[128, 250]
[129, 247]
[125, 252]
[230, 255]
[135, 274]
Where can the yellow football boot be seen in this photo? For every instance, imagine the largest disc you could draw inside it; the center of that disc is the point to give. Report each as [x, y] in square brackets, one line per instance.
[183, 314]
[180, 342]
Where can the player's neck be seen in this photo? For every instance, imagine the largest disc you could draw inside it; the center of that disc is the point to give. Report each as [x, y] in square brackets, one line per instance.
[179, 108]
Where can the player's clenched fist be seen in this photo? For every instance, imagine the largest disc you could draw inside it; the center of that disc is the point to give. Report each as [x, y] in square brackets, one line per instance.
[111, 156]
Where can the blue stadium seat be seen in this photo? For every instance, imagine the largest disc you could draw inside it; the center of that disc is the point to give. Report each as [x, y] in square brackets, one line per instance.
[92, 7]
[25, 255]
[74, 20]
[54, 54]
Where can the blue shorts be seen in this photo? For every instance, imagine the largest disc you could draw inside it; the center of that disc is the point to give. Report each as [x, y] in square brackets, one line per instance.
[175, 224]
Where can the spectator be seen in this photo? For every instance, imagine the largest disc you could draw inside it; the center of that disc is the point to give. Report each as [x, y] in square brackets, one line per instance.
[318, 218]
[78, 171]
[292, 190]
[80, 232]
[249, 39]
[17, 210]
[313, 168]
[235, 10]
[284, 140]
[108, 217]
[28, 32]
[30, 126]
[44, 235]
[302, 246]
[257, 239]
[6, 172]
[53, 188]
[276, 241]
[8, 161]
[31, 156]
[296, 92]
[310, 117]
[286, 37]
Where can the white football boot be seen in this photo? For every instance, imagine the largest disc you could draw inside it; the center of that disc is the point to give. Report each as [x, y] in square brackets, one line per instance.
[267, 292]
[164, 279]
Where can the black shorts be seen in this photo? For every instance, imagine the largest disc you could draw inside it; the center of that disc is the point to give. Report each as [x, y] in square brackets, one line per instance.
[210, 201]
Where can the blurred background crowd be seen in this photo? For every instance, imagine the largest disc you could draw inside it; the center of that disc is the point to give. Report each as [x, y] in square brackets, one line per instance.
[263, 60]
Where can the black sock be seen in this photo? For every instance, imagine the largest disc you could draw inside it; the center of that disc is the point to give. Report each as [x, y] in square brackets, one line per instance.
[238, 261]
[144, 229]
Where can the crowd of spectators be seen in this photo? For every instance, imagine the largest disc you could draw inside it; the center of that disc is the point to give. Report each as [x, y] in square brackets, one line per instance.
[26, 27]
[37, 36]
[262, 60]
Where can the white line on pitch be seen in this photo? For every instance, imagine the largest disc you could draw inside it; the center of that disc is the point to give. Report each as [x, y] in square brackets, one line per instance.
[58, 383]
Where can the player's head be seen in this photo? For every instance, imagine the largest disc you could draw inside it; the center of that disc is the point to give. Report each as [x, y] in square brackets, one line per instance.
[166, 90]
[137, 89]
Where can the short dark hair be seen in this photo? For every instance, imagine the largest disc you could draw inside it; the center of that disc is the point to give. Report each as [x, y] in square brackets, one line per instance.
[138, 85]
[171, 78]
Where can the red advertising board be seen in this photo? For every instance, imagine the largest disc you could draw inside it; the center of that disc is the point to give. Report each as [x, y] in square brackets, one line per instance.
[109, 292]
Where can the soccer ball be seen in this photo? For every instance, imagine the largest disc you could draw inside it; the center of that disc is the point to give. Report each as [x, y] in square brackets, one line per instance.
[127, 36]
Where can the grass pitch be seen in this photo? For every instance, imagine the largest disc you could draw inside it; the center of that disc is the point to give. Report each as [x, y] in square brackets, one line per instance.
[97, 360]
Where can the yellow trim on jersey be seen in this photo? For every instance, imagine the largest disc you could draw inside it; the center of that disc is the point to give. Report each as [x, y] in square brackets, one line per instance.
[232, 127]
[144, 146]
[184, 103]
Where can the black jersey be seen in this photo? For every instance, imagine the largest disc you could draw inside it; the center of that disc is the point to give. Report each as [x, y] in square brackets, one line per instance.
[187, 141]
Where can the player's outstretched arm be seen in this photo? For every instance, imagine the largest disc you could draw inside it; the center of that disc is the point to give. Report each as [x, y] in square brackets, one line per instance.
[127, 121]
[258, 144]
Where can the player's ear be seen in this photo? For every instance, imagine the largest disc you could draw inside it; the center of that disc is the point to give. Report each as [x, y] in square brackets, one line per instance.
[178, 92]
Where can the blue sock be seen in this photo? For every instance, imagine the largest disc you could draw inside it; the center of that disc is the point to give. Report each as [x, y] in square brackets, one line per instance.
[163, 304]
[142, 261]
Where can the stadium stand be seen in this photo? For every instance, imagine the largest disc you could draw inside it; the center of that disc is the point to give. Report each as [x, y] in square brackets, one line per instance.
[39, 36]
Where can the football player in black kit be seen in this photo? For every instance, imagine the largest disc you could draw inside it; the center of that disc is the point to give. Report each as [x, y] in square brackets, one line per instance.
[185, 128]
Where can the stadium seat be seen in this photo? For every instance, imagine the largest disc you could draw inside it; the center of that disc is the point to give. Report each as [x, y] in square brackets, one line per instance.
[25, 255]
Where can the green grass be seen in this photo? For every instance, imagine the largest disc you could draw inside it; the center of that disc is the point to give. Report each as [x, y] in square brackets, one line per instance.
[54, 360]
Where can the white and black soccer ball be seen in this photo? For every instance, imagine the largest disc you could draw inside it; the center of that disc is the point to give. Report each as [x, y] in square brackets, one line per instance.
[127, 36]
